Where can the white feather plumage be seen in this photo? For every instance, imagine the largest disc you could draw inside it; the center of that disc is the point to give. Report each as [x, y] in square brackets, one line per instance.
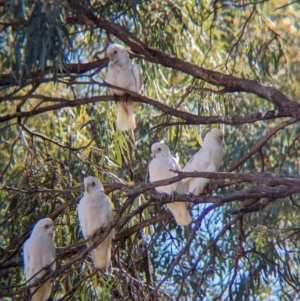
[159, 169]
[122, 73]
[39, 252]
[95, 212]
[208, 158]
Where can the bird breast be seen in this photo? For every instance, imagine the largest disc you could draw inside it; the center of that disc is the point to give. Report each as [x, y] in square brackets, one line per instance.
[121, 78]
[160, 168]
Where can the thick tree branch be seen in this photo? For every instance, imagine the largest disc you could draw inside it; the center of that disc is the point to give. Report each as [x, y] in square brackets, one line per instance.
[188, 117]
[73, 68]
[280, 187]
[231, 83]
[262, 142]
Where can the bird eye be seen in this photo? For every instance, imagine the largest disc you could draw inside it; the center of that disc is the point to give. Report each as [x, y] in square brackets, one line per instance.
[159, 149]
[115, 52]
[93, 184]
[47, 226]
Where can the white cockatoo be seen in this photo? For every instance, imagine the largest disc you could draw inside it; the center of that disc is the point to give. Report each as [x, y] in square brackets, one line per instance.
[38, 253]
[208, 158]
[159, 169]
[123, 74]
[94, 213]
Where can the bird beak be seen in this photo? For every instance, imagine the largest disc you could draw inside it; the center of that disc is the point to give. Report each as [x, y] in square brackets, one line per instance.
[87, 188]
[152, 155]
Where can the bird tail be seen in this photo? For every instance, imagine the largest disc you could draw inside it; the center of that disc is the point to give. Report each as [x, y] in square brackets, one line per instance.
[180, 212]
[43, 293]
[125, 115]
[101, 254]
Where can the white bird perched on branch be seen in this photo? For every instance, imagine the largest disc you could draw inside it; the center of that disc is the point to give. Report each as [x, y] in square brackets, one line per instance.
[123, 74]
[95, 213]
[208, 158]
[159, 169]
[39, 252]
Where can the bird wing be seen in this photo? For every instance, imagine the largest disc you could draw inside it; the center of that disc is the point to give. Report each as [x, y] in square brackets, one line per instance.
[81, 216]
[109, 214]
[33, 261]
[107, 208]
[137, 74]
[27, 260]
[48, 255]
[102, 253]
[199, 162]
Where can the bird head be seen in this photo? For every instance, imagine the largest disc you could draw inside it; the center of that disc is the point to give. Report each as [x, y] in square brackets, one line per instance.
[214, 135]
[92, 184]
[117, 54]
[44, 225]
[159, 149]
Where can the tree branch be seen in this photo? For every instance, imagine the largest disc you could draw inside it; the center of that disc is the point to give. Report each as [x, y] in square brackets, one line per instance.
[231, 83]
